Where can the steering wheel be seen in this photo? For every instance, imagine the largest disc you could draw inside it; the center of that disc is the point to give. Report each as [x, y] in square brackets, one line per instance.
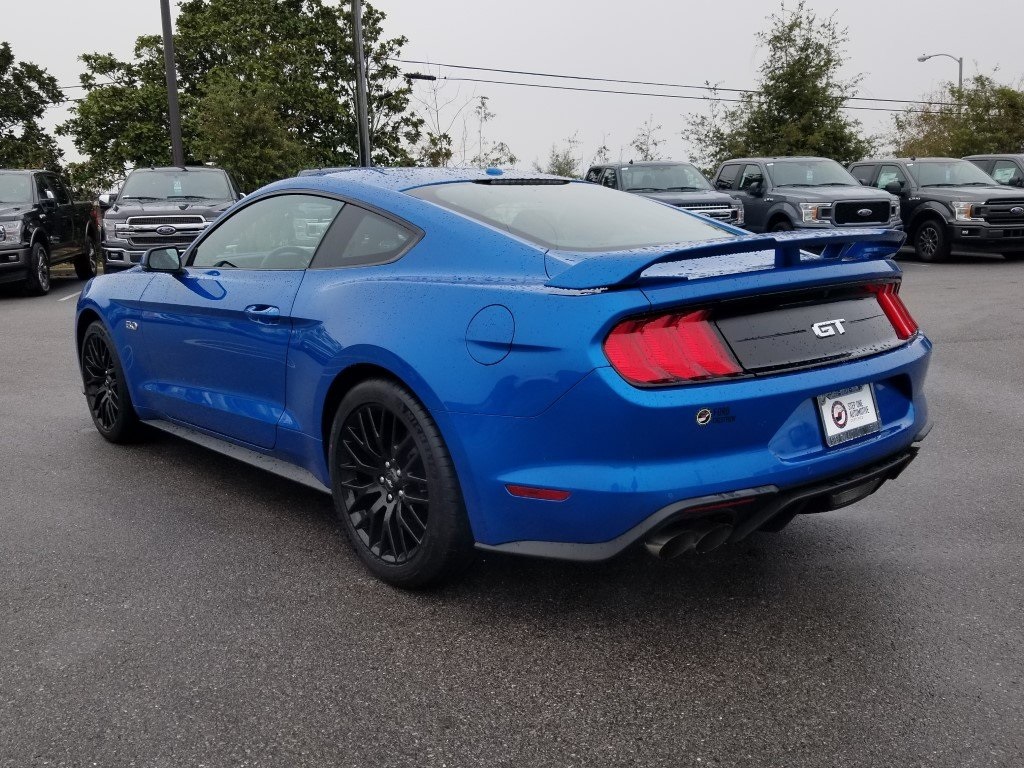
[283, 251]
[225, 263]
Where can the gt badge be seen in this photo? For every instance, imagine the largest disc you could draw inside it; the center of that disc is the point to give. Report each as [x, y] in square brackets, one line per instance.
[827, 328]
[131, 325]
[704, 416]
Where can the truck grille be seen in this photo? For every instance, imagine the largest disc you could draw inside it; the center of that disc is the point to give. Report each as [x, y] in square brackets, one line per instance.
[713, 210]
[154, 241]
[158, 221]
[999, 212]
[142, 230]
[847, 212]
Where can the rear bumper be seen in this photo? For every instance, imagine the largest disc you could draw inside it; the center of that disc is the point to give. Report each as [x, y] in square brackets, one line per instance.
[745, 510]
[14, 264]
[626, 455]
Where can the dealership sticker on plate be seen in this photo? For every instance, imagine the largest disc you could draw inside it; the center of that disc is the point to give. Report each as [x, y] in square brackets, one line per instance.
[848, 414]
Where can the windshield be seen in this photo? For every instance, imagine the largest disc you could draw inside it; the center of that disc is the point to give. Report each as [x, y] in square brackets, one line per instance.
[953, 173]
[571, 216]
[175, 184]
[809, 173]
[674, 177]
[15, 188]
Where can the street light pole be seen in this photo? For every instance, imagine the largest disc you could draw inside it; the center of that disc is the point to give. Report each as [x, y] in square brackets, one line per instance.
[173, 111]
[960, 71]
[362, 117]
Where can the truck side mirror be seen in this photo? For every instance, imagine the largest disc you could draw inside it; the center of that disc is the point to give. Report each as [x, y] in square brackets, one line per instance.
[1016, 181]
[756, 189]
[105, 200]
[894, 188]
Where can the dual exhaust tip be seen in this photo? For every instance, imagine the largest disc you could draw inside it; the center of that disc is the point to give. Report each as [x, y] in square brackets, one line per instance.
[700, 538]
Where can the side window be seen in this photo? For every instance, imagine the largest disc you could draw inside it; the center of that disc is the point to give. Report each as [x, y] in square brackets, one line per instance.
[727, 176]
[360, 237]
[593, 174]
[751, 175]
[863, 173]
[1004, 170]
[889, 174]
[45, 188]
[280, 232]
[63, 196]
[609, 179]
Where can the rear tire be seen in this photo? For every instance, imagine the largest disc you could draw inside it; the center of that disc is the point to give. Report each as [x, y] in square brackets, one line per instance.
[38, 283]
[87, 265]
[931, 243]
[395, 488]
[106, 390]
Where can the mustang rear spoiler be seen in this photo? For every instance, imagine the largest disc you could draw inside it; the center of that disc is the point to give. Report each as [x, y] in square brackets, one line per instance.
[624, 267]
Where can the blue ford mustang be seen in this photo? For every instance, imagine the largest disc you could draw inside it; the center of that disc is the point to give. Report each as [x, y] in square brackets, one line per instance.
[522, 364]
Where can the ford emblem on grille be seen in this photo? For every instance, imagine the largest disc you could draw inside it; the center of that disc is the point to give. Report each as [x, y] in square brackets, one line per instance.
[864, 212]
[1017, 211]
[165, 230]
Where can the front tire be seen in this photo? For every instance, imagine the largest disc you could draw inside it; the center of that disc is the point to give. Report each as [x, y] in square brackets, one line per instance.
[38, 283]
[106, 390]
[395, 488]
[931, 243]
[87, 265]
[782, 225]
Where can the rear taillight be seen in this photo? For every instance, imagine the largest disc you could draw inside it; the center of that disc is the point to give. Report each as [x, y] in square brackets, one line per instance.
[894, 308]
[669, 349]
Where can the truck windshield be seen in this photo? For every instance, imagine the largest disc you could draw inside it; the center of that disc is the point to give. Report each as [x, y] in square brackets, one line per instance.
[175, 184]
[949, 173]
[809, 172]
[571, 216]
[15, 188]
[671, 177]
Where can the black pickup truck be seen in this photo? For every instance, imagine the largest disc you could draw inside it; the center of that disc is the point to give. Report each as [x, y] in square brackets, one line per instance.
[41, 226]
[162, 207]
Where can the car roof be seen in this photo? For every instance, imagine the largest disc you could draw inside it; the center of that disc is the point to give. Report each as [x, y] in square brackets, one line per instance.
[641, 164]
[766, 159]
[995, 156]
[23, 171]
[903, 159]
[178, 168]
[401, 179]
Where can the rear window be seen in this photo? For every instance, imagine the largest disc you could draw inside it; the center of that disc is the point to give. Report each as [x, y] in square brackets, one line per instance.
[571, 216]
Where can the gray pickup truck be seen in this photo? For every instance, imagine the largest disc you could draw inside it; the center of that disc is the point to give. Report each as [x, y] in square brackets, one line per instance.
[162, 208]
[40, 227]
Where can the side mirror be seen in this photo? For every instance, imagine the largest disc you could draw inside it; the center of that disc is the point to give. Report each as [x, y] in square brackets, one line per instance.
[894, 188]
[865, 183]
[1016, 181]
[723, 184]
[240, 195]
[162, 260]
[756, 189]
[48, 203]
[105, 200]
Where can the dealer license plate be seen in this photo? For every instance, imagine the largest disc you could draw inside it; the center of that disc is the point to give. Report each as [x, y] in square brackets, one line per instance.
[848, 414]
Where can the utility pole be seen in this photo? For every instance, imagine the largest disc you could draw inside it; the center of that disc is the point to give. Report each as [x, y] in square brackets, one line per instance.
[362, 117]
[174, 113]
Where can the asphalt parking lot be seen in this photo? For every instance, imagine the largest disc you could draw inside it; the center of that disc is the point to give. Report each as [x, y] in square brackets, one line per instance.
[165, 606]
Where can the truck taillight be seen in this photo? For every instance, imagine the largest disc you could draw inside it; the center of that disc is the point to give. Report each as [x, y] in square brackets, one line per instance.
[669, 349]
[894, 308]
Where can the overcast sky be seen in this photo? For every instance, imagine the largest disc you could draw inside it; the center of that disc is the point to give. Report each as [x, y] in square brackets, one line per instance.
[667, 41]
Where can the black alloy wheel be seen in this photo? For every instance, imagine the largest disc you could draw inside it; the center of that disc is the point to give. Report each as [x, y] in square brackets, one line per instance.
[395, 488]
[38, 270]
[931, 242]
[105, 390]
[782, 225]
[88, 264]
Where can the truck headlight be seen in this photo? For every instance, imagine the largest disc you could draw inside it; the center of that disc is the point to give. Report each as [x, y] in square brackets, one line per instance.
[10, 231]
[966, 211]
[894, 209]
[739, 215]
[816, 211]
[115, 231]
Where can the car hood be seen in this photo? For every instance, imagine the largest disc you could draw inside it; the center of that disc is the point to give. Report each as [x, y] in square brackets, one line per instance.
[690, 198]
[971, 194]
[209, 209]
[831, 194]
[9, 211]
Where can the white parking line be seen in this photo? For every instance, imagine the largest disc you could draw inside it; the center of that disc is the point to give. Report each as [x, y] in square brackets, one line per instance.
[73, 295]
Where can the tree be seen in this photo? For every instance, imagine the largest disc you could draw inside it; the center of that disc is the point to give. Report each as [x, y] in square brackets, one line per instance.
[646, 141]
[986, 117]
[489, 154]
[302, 69]
[562, 162]
[797, 109]
[236, 125]
[26, 90]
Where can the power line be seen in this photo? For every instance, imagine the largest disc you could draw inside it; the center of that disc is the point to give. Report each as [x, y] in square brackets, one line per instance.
[655, 84]
[639, 93]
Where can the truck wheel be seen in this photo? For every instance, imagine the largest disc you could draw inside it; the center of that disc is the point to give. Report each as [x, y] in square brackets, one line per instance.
[782, 225]
[931, 243]
[38, 283]
[87, 264]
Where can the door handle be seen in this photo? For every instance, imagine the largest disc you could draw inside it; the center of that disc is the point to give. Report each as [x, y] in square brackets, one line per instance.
[263, 313]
